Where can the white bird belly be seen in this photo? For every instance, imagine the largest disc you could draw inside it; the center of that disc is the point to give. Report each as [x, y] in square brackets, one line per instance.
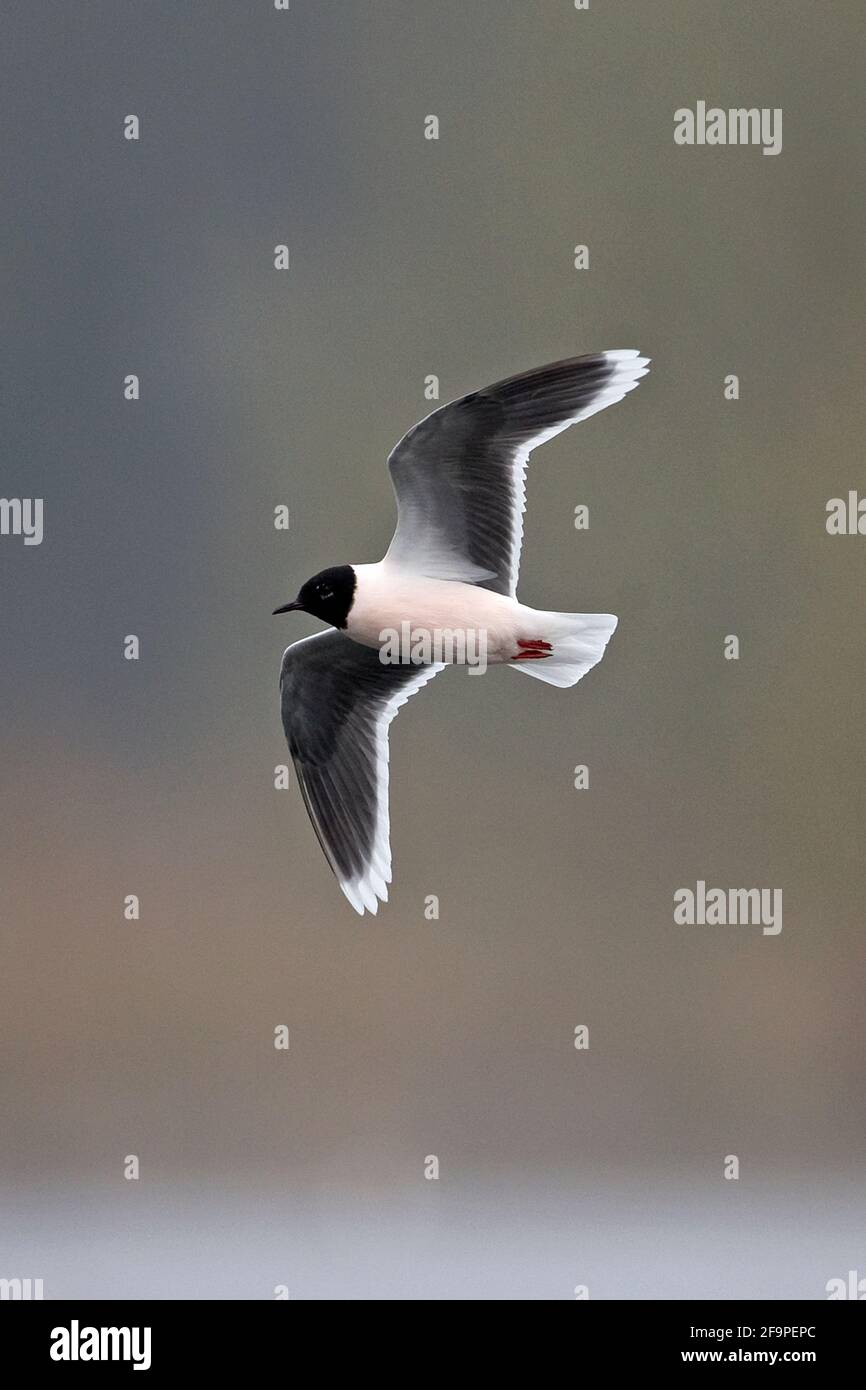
[395, 602]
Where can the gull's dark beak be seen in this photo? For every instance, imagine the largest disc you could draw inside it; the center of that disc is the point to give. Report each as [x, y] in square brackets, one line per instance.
[293, 607]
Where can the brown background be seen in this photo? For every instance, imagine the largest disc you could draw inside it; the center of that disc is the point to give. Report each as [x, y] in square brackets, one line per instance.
[707, 518]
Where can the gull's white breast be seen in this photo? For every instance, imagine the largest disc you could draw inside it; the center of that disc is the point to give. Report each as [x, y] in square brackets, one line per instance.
[387, 596]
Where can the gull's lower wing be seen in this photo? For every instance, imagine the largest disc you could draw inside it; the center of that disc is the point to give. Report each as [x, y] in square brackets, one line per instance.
[337, 701]
[459, 475]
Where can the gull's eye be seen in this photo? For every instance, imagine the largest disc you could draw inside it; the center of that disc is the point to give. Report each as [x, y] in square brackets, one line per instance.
[326, 594]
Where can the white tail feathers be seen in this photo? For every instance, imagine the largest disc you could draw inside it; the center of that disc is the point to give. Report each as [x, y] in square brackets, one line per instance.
[578, 641]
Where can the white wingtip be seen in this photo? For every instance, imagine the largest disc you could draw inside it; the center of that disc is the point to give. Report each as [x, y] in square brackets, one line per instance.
[629, 362]
[629, 367]
[365, 894]
[626, 355]
[352, 896]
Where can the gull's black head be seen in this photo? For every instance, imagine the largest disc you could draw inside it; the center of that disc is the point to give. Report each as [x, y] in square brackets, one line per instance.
[328, 595]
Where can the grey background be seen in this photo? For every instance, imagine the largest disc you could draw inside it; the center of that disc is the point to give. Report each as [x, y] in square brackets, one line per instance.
[156, 778]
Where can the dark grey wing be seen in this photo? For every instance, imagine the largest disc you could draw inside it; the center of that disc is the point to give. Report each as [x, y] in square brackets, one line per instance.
[459, 474]
[337, 700]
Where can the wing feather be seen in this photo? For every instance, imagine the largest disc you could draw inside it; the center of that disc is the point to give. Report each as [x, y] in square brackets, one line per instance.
[337, 701]
[460, 474]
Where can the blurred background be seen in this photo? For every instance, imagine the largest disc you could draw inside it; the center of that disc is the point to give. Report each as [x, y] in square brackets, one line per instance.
[411, 1037]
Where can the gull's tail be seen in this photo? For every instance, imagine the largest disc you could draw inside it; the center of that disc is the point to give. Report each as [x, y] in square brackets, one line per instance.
[577, 642]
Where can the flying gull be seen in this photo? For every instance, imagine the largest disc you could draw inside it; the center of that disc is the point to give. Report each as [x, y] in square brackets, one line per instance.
[451, 568]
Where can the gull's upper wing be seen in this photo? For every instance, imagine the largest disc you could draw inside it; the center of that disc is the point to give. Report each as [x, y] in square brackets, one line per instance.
[459, 474]
[337, 701]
